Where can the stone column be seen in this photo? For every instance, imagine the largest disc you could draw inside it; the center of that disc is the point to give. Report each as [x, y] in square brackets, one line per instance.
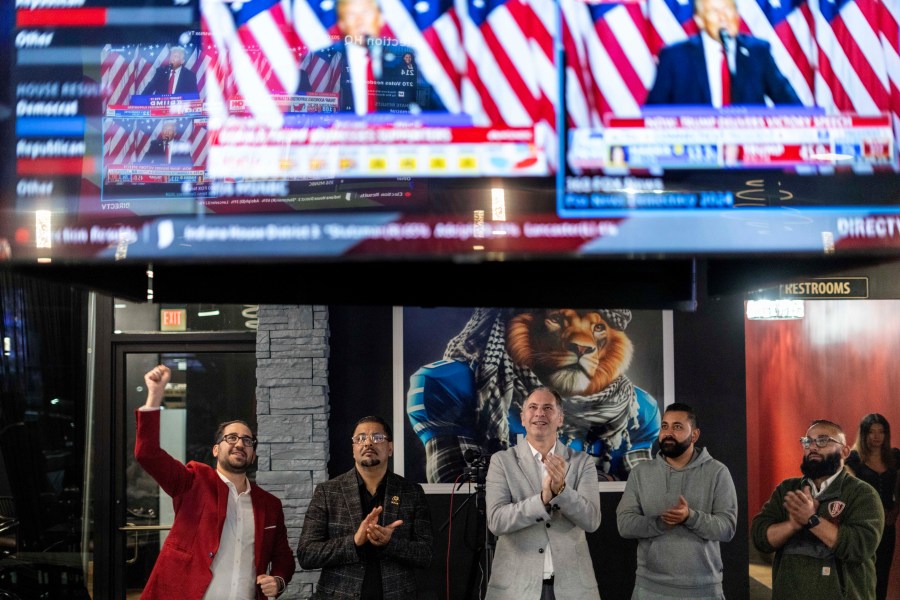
[292, 414]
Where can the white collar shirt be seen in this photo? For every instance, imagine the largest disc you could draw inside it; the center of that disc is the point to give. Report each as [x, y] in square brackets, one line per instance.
[357, 57]
[548, 554]
[233, 568]
[816, 492]
[713, 55]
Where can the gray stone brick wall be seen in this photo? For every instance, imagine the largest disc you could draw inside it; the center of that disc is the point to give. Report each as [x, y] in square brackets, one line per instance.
[292, 414]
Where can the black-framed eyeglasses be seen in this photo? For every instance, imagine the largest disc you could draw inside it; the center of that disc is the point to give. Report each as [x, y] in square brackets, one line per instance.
[232, 439]
[377, 438]
[820, 441]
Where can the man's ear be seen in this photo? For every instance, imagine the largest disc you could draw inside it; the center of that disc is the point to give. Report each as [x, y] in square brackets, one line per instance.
[695, 435]
[216, 451]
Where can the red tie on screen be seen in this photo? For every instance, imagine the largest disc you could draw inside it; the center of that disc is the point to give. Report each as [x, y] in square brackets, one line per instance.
[172, 81]
[167, 146]
[726, 80]
[370, 85]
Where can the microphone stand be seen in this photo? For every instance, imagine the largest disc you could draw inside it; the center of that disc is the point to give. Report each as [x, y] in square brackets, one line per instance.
[483, 553]
[458, 508]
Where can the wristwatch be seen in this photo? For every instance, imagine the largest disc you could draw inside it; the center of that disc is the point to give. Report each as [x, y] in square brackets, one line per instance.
[813, 521]
[560, 490]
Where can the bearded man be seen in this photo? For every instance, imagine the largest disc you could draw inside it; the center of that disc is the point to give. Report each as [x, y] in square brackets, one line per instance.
[824, 527]
[229, 539]
[679, 507]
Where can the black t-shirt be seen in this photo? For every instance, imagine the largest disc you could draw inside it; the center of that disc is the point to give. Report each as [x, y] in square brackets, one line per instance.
[369, 554]
[884, 483]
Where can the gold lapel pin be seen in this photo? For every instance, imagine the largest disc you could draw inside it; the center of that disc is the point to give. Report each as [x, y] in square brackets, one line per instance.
[395, 499]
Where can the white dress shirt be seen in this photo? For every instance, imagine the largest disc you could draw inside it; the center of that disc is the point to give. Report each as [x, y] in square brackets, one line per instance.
[548, 555]
[357, 57]
[818, 492]
[712, 52]
[233, 568]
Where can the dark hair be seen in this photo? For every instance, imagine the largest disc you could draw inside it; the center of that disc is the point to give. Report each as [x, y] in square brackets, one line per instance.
[380, 421]
[685, 408]
[220, 430]
[862, 439]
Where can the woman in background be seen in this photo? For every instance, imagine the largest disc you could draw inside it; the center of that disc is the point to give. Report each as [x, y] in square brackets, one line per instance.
[875, 462]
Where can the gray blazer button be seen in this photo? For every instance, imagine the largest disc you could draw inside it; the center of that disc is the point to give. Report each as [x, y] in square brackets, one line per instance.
[548, 525]
[541, 550]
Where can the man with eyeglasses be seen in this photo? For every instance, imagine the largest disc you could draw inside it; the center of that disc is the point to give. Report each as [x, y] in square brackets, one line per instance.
[369, 528]
[824, 527]
[228, 540]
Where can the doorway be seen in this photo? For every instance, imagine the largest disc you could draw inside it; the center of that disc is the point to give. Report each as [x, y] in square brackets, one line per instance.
[206, 388]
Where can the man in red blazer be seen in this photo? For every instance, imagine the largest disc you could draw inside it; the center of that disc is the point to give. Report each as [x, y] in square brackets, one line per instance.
[229, 540]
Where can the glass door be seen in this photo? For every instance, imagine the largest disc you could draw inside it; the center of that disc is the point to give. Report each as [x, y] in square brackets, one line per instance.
[207, 387]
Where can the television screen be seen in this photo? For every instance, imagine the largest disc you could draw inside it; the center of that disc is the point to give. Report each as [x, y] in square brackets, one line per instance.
[681, 113]
[384, 129]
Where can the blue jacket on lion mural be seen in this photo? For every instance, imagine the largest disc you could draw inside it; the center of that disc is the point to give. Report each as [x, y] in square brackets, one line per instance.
[471, 399]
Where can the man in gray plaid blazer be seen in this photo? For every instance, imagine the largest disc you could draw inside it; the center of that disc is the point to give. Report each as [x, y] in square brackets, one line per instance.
[369, 528]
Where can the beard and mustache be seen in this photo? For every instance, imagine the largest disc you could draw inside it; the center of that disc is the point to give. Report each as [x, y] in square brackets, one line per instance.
[672, 448]
[234, 467]
[828, 466]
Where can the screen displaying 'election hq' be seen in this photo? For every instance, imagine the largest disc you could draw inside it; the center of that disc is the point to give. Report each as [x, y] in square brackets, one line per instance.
[209, 129]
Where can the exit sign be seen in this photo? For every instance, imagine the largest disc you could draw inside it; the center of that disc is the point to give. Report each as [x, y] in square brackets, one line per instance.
[173, 319]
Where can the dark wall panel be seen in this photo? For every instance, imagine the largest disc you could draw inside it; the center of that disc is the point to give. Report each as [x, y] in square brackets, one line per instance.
[710, 376]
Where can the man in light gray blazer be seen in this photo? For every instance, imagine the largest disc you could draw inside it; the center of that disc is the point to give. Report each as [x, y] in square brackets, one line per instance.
[541, 499]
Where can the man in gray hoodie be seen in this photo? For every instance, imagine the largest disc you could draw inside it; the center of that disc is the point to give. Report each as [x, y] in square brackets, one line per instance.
[679, 506]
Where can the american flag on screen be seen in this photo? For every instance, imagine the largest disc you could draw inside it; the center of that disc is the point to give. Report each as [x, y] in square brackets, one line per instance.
[126, 70]
[126, 141]
[118, 141]
[494, 59]
[252, 51]
[490, 59]
[840, 55]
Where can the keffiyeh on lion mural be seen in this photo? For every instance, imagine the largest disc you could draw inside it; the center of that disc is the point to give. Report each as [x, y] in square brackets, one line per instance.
[472, 397]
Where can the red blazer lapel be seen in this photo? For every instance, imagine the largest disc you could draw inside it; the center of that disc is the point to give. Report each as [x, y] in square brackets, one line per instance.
[259, 521]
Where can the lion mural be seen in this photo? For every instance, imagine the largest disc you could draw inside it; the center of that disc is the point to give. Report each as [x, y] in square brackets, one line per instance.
[471, 399]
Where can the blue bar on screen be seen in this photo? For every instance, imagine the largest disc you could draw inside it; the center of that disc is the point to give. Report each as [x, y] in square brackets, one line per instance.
[50, 126]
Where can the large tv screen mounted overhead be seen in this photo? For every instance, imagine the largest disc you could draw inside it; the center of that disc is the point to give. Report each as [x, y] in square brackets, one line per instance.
[202, 130]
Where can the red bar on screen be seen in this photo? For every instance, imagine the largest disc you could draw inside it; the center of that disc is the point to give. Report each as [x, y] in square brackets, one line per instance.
[58, 166]
[61, 17]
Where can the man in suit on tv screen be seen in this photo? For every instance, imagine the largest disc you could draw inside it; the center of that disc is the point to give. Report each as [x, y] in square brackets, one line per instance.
[174, 78]
[719, 66]
[375, 74]
[166, 149]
